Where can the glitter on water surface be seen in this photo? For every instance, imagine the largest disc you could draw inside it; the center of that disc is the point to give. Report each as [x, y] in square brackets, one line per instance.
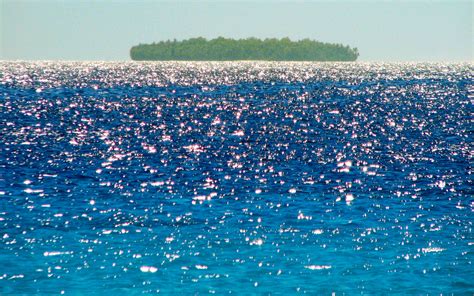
[235, 177]
[318, 267]
[150, 269]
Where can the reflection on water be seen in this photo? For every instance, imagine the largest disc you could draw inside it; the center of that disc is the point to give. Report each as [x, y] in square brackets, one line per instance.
[243, 177]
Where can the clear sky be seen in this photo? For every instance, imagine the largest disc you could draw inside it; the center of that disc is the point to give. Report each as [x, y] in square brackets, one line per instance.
[392, 30]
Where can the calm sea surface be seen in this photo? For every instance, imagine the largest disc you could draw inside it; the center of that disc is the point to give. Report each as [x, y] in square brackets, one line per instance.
[236, 178]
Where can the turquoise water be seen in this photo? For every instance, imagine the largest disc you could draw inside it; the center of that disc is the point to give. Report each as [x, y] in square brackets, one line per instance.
[236, 178]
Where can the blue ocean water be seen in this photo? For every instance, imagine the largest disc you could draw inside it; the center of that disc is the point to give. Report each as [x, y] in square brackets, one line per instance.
[236, 178]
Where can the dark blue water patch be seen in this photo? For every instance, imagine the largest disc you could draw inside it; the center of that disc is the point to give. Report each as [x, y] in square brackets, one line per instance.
[345, 178]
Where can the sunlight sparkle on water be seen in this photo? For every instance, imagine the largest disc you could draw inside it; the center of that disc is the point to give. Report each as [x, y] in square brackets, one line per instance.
[235, 177]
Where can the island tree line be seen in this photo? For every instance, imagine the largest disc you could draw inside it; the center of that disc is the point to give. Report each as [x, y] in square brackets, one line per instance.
[225, 49]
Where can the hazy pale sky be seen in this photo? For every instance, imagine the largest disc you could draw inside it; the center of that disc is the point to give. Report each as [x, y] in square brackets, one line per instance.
[393, 30]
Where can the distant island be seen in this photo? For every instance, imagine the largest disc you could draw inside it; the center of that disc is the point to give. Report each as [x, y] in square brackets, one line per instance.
[225, 49]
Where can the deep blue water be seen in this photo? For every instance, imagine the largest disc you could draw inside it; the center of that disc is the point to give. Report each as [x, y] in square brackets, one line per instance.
[242, 178]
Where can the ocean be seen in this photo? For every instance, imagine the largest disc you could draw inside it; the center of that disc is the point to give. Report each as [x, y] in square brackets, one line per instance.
[266, 178]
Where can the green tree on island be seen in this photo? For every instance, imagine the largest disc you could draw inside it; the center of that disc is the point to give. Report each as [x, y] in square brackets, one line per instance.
[225, 49]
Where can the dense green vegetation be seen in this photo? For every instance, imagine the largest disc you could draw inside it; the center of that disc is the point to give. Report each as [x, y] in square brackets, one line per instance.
[224, 49]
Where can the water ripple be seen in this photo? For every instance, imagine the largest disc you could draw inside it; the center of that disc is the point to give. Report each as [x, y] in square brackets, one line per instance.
[139, 178]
